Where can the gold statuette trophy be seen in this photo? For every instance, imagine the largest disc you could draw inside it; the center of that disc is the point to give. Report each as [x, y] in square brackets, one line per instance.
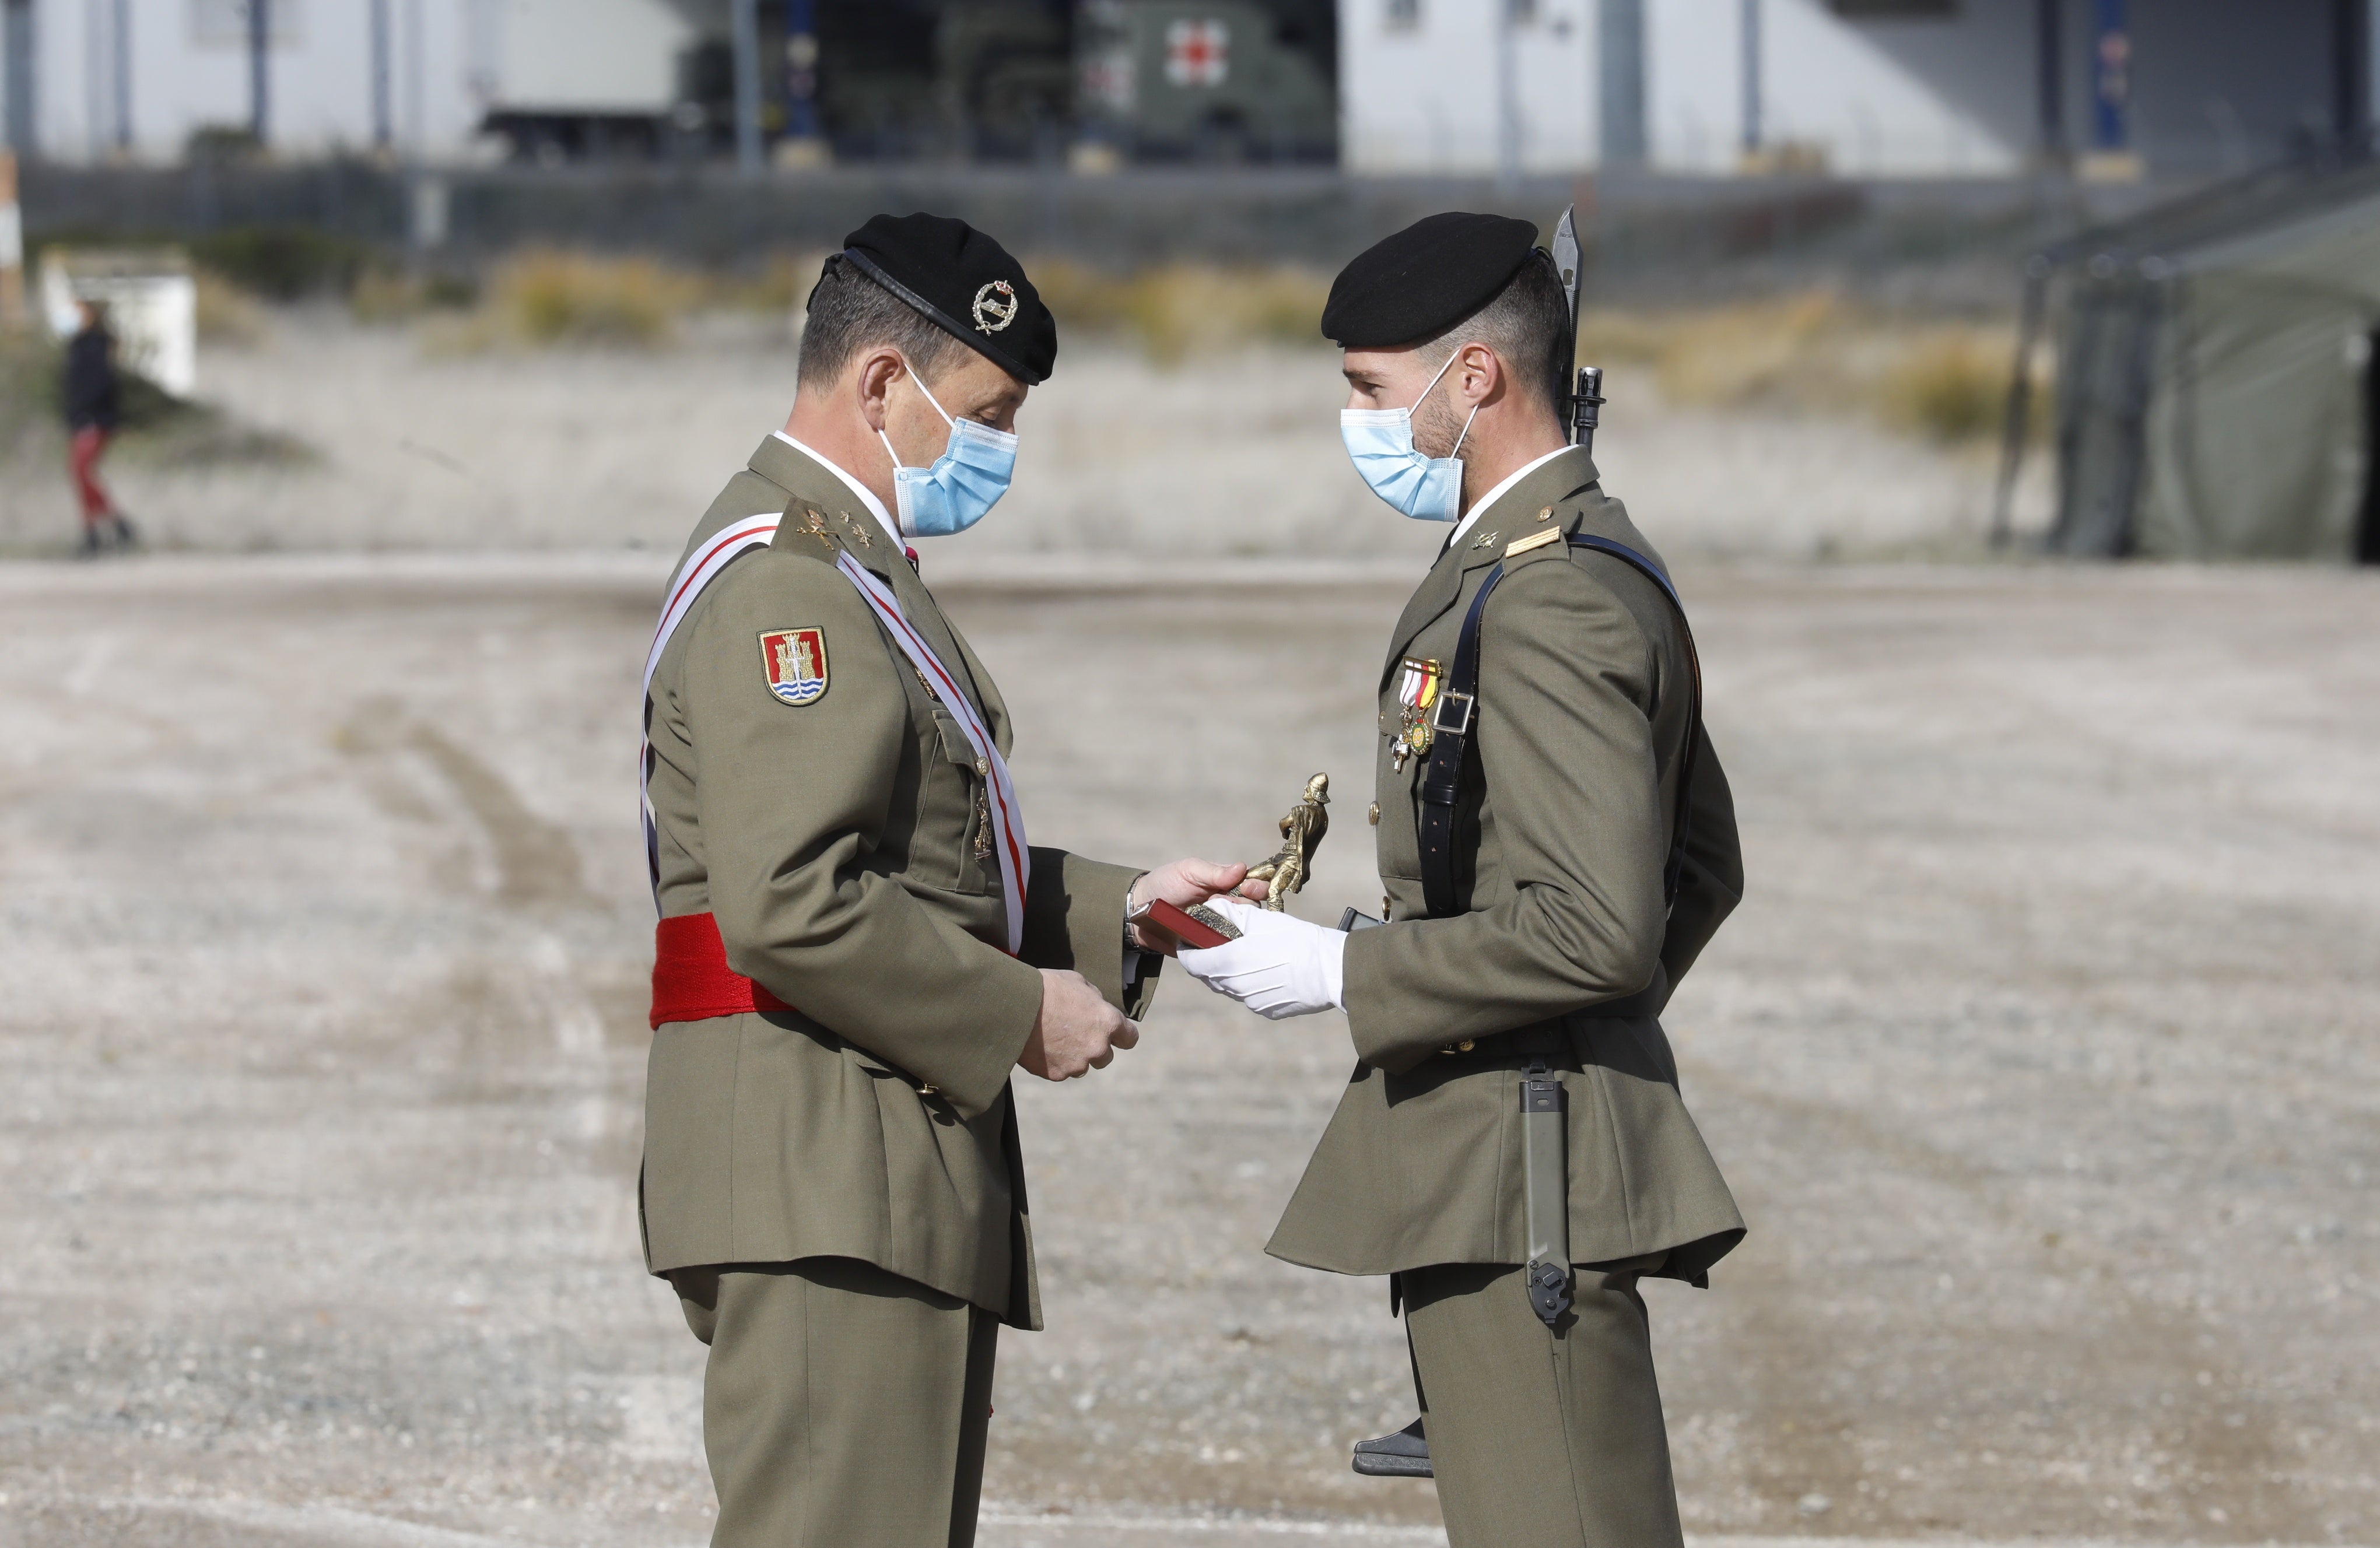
[1301, 835]
[1285, 871]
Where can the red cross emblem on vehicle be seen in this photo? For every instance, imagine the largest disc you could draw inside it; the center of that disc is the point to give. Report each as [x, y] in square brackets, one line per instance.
[1197, 53]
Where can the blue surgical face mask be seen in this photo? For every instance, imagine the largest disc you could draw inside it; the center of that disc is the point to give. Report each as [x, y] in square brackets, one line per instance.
[1381, 441]
[966, 481]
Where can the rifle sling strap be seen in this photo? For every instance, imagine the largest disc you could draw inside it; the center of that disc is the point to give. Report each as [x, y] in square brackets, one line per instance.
[1454, 718]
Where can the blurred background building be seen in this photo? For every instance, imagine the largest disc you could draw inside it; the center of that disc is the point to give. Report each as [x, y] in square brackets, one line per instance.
[1868, 162]
[1855, 88]
[560, 80]
[1903, 89]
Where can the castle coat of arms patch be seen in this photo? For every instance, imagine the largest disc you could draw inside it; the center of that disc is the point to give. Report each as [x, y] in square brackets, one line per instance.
[794, 660]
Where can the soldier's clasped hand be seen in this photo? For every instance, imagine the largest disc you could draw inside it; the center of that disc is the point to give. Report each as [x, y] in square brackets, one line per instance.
[1077, 1031]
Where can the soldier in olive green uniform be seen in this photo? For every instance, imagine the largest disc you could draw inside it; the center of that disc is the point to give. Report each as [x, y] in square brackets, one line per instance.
[856, 945]
[1586, 852]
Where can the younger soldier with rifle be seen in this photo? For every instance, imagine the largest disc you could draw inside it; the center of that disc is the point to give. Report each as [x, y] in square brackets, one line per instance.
[1558, 844]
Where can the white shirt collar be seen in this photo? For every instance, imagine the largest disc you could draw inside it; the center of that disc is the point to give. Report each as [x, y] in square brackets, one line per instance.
[859, 490]
[1492, 495]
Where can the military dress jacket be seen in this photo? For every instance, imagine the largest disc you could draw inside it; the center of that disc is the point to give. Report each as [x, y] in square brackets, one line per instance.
[836, 842]
[1562, 828]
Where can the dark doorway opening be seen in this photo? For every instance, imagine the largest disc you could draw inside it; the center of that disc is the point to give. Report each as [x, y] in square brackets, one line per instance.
[2367, 526]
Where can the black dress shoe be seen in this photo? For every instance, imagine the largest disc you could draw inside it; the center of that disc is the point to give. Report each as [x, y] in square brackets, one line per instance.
[1404, 1454]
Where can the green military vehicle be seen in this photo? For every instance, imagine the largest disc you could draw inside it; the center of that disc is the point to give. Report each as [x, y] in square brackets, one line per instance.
[1209, 79]
[1005, 81]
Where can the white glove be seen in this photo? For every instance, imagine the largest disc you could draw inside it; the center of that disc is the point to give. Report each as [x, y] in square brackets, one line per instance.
[1280, 966]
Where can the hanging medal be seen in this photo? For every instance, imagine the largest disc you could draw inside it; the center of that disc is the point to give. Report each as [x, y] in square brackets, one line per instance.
[1417, 681]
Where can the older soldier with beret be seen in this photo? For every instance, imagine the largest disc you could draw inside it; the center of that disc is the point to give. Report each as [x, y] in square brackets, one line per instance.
[857, 943]
[1558, 845]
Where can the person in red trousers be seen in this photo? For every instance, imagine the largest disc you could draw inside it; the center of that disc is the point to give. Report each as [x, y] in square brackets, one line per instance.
[92, 400]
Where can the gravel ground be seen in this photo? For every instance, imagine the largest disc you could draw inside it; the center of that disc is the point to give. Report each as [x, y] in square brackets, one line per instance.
[2040, 1059]
[1229, 454]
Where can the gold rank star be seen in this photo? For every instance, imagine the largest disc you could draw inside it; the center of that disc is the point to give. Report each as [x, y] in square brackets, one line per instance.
[858, 529]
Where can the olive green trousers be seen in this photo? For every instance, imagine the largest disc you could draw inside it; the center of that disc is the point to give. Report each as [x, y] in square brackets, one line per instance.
[843, 1406]
[1541, 1438]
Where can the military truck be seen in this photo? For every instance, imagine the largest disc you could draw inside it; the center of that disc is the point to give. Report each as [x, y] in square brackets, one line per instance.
[565, 80]
[1213, 80]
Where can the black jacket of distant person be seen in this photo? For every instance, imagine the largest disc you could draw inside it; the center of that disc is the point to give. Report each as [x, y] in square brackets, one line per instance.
[92, 385]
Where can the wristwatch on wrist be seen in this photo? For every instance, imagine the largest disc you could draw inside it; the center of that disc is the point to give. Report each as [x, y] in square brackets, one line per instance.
[1129, 943]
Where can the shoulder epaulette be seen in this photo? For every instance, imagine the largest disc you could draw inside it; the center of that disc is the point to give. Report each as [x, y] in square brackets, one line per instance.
[1553, 523]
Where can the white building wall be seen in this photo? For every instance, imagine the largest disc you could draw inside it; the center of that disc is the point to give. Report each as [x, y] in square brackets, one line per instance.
[1692, 94]
[1419, 85]
[450, 61]
[595, 55]
[1555, 53]
[1875, 97]
[63, 124]
[1852, 89]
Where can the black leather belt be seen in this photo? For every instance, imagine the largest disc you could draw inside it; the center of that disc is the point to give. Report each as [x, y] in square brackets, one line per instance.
[1545, 1038]
[1553, 1037]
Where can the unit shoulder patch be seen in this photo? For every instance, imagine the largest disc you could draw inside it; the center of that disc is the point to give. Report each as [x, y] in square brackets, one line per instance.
[792, 663]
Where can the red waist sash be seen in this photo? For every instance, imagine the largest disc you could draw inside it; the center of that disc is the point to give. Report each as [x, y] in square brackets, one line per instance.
[691, 979]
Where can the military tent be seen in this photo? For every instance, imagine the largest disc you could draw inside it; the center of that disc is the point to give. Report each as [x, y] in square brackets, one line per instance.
[2219, 387]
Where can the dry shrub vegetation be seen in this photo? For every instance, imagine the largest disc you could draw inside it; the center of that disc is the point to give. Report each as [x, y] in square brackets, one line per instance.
[1809, 351]
[1175, 310]
[1812, 351]
[1815, 352]
[543, 298]
[226, 314]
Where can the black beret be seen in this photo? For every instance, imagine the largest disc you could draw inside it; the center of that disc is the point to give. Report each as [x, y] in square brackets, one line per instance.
[1425, 279]
[963, 281]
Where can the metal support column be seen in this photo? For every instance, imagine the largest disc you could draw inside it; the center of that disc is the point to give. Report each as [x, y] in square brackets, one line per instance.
[2350, 87]
[1620, 44]
[259, 74]
[2111, 80]
[2016, 420]
[801, 71]
[1508, 97]
[2049, 82]
[745, 17]
[1749, 36]
[120, 53]
[12, 246]
[17, 39]
[383, 109]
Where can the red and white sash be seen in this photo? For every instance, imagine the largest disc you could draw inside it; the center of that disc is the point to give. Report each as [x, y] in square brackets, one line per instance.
[704, 564]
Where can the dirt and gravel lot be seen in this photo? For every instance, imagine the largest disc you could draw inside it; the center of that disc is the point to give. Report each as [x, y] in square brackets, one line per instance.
[2040, 1056]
